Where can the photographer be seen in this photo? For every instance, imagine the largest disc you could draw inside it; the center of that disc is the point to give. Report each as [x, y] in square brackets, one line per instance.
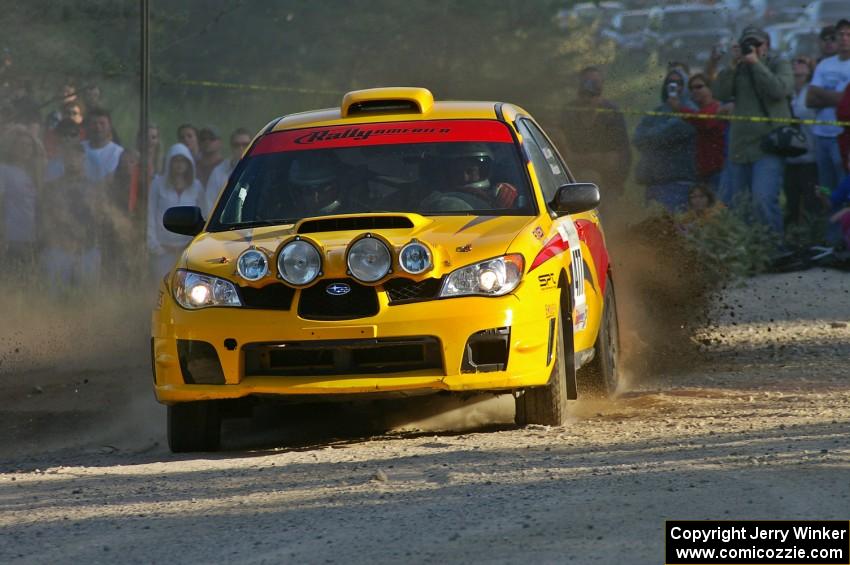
[760, 85]
[666, 144]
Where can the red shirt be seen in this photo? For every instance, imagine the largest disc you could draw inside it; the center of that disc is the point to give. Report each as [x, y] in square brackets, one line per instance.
[842, 113]
[711, 139]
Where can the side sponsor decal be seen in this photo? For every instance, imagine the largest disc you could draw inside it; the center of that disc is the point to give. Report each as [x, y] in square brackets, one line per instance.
[569, 233]
[592, 237]
[538, 232]
[386, 133]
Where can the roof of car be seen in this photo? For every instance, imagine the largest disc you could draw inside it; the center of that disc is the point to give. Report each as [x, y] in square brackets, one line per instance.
[393, 104]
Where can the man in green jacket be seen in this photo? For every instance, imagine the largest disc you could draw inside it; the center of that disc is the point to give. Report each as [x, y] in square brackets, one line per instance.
[760, 84]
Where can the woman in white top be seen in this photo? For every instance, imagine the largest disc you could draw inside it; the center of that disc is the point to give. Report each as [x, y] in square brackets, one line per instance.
[176, 186]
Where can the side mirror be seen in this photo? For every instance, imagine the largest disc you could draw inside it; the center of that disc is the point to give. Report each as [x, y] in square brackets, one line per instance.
[575, 197]
[185, 220]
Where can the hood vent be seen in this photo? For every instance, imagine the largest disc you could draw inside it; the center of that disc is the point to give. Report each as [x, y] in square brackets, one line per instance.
[360, 223]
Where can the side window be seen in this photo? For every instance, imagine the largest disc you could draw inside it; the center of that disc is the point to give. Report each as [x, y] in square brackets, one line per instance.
[555, 164]
[548, 183]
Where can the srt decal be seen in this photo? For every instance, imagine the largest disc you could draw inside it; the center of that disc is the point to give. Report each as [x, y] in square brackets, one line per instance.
[464, 248]
[538, 232]
[547, 280]
[386, 133]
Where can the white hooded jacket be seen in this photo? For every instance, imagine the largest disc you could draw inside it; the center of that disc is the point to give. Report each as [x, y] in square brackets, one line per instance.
[163, 196]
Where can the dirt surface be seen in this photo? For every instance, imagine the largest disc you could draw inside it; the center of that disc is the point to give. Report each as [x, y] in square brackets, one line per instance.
[756, 427]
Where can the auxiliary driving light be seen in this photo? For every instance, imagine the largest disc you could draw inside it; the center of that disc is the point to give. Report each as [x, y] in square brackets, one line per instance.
[369, 259]
[415, 258]
[299, 262]
[252, 265]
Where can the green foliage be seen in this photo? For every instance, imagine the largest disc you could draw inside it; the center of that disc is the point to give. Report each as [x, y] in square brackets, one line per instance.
[732, 246]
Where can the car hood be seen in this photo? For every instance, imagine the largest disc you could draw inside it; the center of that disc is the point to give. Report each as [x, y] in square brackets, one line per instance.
[455, 241]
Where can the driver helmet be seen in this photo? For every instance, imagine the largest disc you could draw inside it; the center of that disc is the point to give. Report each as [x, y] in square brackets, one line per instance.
[468, 167]
[314, 180]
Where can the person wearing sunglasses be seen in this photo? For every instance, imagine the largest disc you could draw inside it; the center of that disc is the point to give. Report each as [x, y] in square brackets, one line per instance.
[830, 78]
[711, 134]
[760, 84]
[240, 139]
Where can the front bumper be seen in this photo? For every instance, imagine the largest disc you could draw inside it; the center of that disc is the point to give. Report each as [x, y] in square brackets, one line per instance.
[243, 340]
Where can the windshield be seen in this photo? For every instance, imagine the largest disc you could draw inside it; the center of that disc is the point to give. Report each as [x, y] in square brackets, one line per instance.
[633, 23]
[432, 168]
[673, 22]
[787, 5]
[834, 10]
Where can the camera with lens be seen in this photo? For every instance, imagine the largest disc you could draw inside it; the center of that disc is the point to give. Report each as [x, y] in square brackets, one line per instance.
[749, 45]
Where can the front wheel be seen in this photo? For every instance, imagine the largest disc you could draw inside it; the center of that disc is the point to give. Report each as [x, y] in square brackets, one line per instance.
[194, 426]
[547, 405]
[599, 379]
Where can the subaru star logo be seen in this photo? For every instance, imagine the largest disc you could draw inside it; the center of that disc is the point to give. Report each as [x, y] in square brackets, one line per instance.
[338, 289]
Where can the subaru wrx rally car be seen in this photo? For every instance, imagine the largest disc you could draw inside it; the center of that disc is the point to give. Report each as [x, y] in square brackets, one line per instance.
[395, 244]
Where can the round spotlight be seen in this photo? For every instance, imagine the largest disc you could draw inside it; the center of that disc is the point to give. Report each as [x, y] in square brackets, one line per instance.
[299, 263]
[252, 265]
[369, 259]
[415, 258]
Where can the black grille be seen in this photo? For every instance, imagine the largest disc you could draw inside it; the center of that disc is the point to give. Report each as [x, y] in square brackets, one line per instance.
[362, 223]
[343, 357]
[275, 296]
[401, 291]
[317, 304]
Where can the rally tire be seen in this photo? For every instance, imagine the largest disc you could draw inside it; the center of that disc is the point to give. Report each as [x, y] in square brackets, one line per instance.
[600, 377]
[194, 426]
[547, 405]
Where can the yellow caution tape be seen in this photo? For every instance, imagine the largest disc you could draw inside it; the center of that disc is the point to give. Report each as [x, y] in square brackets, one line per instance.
[700, 116]
[625, 111]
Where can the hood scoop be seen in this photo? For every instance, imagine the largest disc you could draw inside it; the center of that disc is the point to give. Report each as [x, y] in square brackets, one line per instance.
[355, 223]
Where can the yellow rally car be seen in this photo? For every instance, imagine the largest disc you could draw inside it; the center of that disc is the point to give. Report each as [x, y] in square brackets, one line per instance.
[392, 245]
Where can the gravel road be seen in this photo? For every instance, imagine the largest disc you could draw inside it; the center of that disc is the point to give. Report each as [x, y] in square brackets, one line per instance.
[754, 427]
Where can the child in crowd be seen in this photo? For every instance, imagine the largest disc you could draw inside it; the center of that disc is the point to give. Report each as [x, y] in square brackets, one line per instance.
[702, 206]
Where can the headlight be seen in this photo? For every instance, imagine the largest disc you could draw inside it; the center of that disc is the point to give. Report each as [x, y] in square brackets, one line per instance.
[194, 290]
[369, 259]
[252, 265]
[415, 258]
[494, 277]
[299, 263]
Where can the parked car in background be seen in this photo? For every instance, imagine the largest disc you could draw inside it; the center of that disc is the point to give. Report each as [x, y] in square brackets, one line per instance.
[588, 14]
[780, 34]
[688, 32]
[782, 11]
[803, 41]
[826, 12]
[630, 30]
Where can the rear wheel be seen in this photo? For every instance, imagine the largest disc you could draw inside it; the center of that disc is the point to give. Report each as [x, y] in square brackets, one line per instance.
[194, 426]
[599, 378]
[547, 405]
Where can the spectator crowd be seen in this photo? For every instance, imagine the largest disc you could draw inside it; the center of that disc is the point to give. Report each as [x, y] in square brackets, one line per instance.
[733, 136]
[72, 200]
